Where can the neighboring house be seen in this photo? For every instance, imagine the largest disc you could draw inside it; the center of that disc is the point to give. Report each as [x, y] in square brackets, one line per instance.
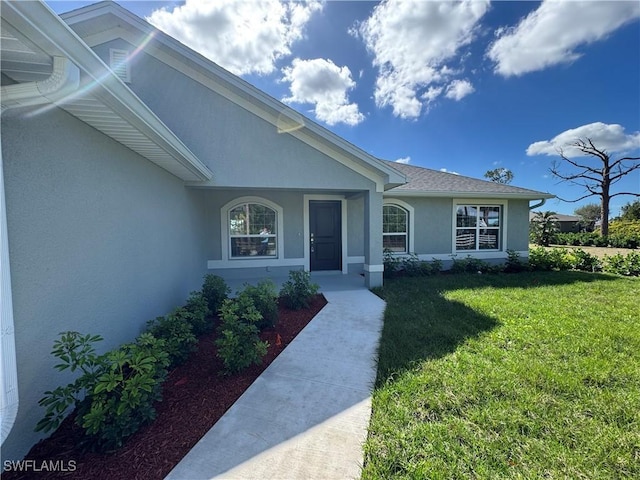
[132, 166]
[566, 223]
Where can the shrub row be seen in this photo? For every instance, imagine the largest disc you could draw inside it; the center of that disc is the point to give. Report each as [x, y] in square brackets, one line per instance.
[594, 239]
[115, 393]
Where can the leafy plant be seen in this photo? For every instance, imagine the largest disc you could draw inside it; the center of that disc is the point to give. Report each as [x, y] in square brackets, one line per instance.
[581, 260]
[215, 290]
[265, 298]
[514, 264]
[239, 345]
[391, 263]
[177, 334]
[298, 290]
[197, 313]
[470, 265]
[628, 265]
[542, 227]
[114, 396]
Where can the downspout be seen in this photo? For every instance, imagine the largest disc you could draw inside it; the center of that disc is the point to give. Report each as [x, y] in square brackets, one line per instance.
[64, 80]
[542, 202]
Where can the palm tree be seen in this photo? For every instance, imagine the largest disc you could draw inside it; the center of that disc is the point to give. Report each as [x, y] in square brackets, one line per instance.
[543, 226]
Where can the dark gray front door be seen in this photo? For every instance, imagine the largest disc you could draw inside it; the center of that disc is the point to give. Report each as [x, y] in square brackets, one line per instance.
[325, 235]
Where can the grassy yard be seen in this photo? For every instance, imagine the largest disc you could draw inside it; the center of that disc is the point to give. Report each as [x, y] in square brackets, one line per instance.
[533, 375]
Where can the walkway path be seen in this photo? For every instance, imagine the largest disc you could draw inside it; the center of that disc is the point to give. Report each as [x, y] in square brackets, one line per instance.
[306, 416]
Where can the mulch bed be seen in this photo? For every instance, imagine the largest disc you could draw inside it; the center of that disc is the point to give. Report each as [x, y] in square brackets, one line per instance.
[195, 396]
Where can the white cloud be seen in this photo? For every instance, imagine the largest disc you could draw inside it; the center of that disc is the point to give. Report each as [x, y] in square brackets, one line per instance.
[404, 160]
[412, 41]
[608, 137]
[444, 170]
[324, 84]
[241, 36]
[458, 89]
[551, 34]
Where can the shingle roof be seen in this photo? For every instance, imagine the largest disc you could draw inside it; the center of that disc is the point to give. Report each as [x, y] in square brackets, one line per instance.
[426, 182]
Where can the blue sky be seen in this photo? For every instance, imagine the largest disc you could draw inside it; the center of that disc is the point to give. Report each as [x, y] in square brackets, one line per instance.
[464, 87]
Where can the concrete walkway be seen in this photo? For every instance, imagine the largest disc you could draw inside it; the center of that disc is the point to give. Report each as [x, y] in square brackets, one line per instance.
[306, 416]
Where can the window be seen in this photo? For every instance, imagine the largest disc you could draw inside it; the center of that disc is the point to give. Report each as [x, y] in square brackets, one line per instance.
[395, 222]
[253, 231]
[478, 227]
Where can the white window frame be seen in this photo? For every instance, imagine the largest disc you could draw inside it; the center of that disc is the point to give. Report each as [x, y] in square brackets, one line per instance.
[410, 223]
[477, 203]
[225, 212]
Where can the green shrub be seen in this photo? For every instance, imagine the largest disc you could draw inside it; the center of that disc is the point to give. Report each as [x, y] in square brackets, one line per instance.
[177, 334]
[215, 290]
[391, 263]
[265, 298]
[298, 290]
[554, 259]
[115, 393]
[581, 260]
[197, 313]
[239, 345]
[471, 265]
[411, 265]
[514, 264]
[628, 265]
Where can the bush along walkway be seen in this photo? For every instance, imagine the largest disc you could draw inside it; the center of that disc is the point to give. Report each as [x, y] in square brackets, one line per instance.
[180, 372]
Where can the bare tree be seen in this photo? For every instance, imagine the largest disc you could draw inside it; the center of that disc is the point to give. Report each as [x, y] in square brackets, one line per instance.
[597, 180]
[499, 175]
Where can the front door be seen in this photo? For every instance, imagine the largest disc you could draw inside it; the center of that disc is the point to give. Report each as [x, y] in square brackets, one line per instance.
[325, 235]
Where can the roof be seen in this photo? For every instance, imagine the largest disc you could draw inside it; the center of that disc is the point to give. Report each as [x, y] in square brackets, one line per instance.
[104, 21]
[559, 217]
[33, 37]
[427, 182]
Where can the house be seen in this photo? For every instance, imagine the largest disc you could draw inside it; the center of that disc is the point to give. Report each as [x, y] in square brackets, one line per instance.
[566, 223]
[132, 166]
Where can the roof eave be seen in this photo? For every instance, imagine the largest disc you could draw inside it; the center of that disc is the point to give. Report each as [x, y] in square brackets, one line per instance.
[458, 194]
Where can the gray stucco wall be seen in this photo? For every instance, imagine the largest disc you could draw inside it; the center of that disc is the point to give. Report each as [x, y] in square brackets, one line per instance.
[518, 225]
[240, 148]
[101, 240]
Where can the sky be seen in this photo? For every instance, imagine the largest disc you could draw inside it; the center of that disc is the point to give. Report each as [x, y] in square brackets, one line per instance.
[463, 87]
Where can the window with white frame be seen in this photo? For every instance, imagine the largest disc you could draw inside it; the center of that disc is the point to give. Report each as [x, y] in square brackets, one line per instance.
[395, 228]
[253, 231]
[478, 227]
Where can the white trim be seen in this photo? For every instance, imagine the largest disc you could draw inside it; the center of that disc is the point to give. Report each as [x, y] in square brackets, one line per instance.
[485, 202]
[411, 211]
[225, 240]
[257, 263]
[343, 227]
[374, 268]
[468, 195]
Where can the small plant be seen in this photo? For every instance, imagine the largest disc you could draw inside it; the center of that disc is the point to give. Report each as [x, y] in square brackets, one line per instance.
[582, 260]
[239, 345]
[391, 263]
[298, 290]
[470, 265]
[513, 263]
[215, 290]
[412, 265]
[265, 298]
[115, 393]
[619, 264]
[177, 334]
[197, 313]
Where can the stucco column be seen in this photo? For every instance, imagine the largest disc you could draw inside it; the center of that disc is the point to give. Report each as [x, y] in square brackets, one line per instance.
[373, 266]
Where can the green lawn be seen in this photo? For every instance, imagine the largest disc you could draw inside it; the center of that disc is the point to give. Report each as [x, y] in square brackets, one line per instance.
[532, 375]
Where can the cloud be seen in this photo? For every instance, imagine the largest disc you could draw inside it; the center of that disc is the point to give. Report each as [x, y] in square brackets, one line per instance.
[458, 89]
[324, 84]
[550, 35]
[404, 160]
[243, 37]
[444, 170]
[608, 137]
[411, 42]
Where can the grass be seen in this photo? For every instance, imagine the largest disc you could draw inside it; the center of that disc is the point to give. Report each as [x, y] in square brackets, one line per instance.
[508, 376]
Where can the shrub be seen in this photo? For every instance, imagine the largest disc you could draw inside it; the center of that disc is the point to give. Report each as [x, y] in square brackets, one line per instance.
[215, 290]
[239, 344]
[265, 298]
[628, 265]
[471, 265]
[177, 334]
[411, 265]
[197, 313]
[391, 263]
[513, 263]
[554, 259]
[298, 290]
[115, 393]
[581, 260]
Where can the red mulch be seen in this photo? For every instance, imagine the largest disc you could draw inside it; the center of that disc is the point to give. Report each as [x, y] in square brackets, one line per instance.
[195, 396]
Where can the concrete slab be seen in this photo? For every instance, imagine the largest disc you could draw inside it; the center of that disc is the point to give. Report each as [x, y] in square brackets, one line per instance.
[306, 416]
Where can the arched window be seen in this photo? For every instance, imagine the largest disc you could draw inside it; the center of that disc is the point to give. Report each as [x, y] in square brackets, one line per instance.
[395, 228]
[253, 231]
